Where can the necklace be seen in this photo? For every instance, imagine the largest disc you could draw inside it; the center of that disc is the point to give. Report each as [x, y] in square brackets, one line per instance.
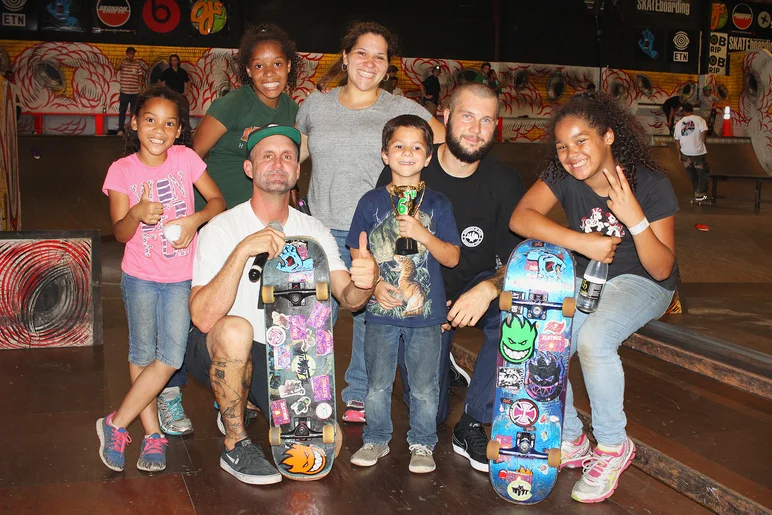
[357, 108]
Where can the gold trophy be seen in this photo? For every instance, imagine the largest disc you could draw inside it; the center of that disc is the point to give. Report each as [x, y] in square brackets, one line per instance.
[407, 205]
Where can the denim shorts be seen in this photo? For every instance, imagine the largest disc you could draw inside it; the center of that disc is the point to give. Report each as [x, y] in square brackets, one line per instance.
[159, 320]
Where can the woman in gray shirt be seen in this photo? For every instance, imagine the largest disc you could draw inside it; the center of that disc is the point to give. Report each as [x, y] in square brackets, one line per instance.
[342, 130]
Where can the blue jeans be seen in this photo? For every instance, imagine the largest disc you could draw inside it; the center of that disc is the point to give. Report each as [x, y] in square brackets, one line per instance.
[482, 389]
[159, 320]
[422, 359]
[627, 303]
[356, 373]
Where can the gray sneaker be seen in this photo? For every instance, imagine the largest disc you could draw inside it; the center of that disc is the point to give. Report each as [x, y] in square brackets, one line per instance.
[247, 463]
[421, 459]
[171, 415]
[369, 454]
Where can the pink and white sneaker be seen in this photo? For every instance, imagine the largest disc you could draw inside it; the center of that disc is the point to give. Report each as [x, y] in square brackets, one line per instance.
[601, 473]
[573, 454]
[355, 412]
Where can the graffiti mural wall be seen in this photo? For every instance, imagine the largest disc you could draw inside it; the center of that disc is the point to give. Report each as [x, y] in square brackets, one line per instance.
[51, 289]
[70, 80]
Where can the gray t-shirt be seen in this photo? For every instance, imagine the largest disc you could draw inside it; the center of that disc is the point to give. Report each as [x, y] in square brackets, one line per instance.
[345, 147]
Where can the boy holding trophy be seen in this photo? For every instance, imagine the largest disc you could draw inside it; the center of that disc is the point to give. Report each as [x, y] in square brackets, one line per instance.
[411, 232]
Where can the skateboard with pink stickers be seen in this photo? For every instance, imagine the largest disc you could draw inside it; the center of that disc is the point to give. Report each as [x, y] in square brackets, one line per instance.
[304, 436]
[537, 306]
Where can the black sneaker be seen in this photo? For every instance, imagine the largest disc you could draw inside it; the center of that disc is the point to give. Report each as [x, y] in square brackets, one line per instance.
[458, 376]
[247, 463]
[470, 441]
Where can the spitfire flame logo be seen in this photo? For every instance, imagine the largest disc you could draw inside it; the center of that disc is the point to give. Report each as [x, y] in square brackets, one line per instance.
[544, 376]
[304, 459]
[517, 340]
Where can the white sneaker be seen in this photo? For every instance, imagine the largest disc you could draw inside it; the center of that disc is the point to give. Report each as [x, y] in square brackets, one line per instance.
[573, 454]
[601, 473]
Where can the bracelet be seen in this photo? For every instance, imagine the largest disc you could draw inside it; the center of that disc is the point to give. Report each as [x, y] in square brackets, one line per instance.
[639, 227]
[377, 281]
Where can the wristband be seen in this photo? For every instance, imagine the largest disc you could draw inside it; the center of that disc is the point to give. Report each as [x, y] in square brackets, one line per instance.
[639, 227]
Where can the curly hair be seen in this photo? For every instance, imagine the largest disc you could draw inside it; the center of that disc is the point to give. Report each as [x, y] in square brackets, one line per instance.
[602, 112]
[356, 30]
[255, 35]
[131, 140]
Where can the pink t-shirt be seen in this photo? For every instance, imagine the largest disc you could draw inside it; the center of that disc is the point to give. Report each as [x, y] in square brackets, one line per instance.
[148, 255]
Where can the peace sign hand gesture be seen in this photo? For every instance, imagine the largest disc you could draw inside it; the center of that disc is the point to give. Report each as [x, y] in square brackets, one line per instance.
[621, 200]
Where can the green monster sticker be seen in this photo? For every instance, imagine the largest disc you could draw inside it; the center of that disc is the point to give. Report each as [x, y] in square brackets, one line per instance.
[517, 340]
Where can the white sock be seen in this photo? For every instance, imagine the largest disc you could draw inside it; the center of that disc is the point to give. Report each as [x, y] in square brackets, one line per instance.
[611, 449]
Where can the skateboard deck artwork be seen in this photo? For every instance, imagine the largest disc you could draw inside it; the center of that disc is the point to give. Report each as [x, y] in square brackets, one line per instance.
[537, 303]
[301, 369]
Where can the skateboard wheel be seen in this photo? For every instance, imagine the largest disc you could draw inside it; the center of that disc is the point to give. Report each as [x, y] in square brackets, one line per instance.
[322, 291]
[569, 307]
[492, 451]
[328, 434]
[267, 294]
[338, 440]
[274, 436]
[553, 458]
[505, 301]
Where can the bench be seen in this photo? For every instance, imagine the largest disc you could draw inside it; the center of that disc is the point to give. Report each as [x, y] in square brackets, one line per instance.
[758, 179]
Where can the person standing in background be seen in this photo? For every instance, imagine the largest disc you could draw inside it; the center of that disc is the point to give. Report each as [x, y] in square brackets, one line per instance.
[130, 86]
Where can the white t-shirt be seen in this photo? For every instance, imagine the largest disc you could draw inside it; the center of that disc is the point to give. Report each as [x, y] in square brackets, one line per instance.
[688, 131]
[221, 235]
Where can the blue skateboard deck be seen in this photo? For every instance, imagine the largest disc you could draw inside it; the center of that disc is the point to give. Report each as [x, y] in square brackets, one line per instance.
[532, 372]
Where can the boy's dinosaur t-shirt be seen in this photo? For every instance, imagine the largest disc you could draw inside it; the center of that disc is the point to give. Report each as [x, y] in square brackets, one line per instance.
[418, 276]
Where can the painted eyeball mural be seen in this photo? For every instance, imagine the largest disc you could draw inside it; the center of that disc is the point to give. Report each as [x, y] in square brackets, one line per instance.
[755, 105]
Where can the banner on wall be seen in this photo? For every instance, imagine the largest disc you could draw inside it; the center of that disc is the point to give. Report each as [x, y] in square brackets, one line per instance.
[18, 15]
[649, 45]
[682, 48]
[112, 16]
[747, 25]
[678, 7]
[209, 17]
[718, 64]
[63, 15]
[162, 17]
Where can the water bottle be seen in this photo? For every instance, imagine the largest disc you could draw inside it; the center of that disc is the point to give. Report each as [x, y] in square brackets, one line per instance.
[592, 286]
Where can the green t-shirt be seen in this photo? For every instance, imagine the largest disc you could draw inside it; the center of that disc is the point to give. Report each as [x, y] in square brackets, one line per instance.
[241, 111]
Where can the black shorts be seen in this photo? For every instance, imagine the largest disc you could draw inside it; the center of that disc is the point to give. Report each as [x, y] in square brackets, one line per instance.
[199, 362]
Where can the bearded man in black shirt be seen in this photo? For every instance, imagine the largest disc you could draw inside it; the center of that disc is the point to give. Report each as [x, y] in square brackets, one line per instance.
[483, 192]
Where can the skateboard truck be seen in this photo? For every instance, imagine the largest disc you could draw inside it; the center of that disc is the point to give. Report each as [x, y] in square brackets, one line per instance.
[297, 294]
[535, 305]
[302, 431]
[524, 448]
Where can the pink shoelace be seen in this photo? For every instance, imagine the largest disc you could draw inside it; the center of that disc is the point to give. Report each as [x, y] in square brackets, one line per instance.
[120, 440]
[154, 445]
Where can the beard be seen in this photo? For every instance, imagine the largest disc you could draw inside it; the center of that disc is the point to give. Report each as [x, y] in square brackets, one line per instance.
[461, 153]
[269, 183]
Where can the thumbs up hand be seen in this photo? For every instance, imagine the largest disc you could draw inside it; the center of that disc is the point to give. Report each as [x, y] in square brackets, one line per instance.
[364, 269]
[146, 210]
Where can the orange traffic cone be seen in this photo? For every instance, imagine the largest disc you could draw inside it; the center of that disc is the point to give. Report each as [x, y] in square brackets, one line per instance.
[726, 130]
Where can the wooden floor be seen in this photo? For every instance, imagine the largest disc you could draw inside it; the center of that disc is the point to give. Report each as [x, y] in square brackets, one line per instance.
[50, 462]
[52, 398]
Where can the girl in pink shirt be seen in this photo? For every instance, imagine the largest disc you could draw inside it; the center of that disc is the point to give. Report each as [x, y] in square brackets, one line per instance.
[152, 209]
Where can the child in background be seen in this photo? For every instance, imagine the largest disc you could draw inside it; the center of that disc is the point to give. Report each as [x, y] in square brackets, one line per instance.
[410, 295]
[151, 206]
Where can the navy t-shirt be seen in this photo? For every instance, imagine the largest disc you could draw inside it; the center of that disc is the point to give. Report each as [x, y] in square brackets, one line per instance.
[418, 276]
[587, 212]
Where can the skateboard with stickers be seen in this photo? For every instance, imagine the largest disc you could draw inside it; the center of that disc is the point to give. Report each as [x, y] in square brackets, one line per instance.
[304, 436]
[537, 306]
